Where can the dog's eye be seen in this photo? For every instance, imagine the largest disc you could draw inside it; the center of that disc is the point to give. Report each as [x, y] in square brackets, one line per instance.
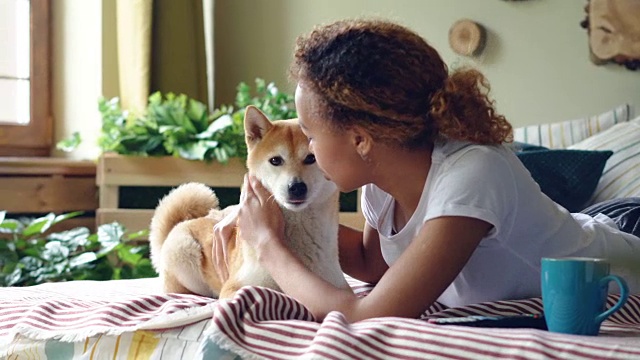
[276, 161]
[310, 159]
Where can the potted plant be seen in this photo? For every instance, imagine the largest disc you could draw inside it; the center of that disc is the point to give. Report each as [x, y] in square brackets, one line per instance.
[174, 140]
[32, 254]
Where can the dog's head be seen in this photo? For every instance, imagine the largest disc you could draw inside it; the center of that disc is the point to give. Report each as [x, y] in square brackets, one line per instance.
[278, 155]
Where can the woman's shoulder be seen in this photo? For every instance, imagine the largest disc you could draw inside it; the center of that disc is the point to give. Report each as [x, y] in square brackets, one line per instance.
[374, 194]
[455, 148]
[468, 169]
[451, 153]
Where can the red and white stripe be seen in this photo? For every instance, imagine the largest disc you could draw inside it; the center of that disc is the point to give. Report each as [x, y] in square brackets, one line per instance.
[252, 323]
[44, 314]
[260, 322]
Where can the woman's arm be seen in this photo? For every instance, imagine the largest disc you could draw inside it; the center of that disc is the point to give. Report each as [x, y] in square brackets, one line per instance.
[360, 254]
[407, 289]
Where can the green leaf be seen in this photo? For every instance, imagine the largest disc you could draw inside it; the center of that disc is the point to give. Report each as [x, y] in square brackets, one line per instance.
[81, 259]
[54, 251]
[39, 225]
[66, 216]
[71, 143]
[197, 112]
[10, 226]
[109, 236]
[73, 239]
[35, 250]
[155, 98]
[144, 269]
[243, 95]
[137, 235]
[127, 256]
[8, 255]
[31, 263]
[260, 86]
[13, 278]
[196, 151]
[218, 125]
[116, 274]
[221, 154]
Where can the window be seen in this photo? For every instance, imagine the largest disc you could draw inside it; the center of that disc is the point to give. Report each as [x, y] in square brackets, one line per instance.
[25, 101]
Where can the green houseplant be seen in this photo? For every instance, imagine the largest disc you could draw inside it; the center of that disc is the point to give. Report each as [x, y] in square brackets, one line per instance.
[30, 254]
[180, 126]
[141, 149]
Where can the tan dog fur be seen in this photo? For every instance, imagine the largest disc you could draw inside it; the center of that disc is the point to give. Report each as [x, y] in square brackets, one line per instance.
[182, 226]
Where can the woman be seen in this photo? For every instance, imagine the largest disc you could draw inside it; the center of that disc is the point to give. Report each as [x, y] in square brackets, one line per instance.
[451, 214]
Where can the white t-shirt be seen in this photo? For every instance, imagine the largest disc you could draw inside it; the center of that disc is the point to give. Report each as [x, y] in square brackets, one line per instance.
[491, 184]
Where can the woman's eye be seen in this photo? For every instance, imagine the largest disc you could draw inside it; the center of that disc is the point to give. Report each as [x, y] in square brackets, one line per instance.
[276, 161]
[310, 159]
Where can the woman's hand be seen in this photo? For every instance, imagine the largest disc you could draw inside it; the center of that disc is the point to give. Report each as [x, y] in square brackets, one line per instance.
[260, 218]
[223, 232]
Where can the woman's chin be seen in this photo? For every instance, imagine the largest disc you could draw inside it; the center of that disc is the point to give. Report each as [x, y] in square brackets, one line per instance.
[343, 189]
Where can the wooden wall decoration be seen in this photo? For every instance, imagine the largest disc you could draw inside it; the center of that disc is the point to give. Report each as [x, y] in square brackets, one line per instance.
[613, 27]
[467, 37]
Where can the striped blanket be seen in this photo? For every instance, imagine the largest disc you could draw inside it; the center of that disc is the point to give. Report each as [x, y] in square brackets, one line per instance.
[261, 323]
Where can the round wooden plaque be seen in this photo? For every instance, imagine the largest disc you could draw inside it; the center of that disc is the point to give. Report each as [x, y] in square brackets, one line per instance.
[467, 37]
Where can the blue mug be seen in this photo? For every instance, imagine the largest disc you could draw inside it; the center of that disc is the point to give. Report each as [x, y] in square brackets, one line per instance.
[574, 294]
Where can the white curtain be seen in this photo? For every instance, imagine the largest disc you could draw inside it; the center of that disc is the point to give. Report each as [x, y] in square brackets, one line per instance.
[208, 15]
[134, 25]
[181, 43]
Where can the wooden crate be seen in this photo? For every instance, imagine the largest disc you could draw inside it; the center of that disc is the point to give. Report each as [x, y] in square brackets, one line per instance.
[37, 186]
[116, 171]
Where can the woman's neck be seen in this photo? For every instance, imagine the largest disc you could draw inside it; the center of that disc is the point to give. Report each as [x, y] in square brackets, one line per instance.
[402, 174]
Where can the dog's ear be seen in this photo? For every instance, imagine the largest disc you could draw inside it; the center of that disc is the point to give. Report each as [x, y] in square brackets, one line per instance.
[256, 125]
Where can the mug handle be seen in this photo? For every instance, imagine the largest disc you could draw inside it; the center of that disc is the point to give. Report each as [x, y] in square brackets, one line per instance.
[624, 294]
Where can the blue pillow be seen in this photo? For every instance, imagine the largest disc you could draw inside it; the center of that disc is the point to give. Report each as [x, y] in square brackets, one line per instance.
[518, 146]
[568, 177]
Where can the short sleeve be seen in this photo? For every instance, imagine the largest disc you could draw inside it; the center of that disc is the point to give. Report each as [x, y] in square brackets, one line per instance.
[372, 202]
[479, 183]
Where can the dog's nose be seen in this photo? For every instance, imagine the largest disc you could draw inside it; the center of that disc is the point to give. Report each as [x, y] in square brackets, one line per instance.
[297, 190]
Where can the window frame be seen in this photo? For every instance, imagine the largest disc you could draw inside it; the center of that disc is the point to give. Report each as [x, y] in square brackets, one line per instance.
[35, 138]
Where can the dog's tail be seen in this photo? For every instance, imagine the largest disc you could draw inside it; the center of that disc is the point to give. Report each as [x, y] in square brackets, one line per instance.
[188, 201]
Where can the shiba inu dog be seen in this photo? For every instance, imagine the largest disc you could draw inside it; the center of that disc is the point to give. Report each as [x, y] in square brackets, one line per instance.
[181, 233]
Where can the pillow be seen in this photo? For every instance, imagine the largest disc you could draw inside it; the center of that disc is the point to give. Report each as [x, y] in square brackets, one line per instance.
[563, 134]
[568, 177]
[518, 146]
[621, 175]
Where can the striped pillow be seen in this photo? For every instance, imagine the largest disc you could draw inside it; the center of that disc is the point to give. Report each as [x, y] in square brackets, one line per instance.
[562, 134]
[621, 175]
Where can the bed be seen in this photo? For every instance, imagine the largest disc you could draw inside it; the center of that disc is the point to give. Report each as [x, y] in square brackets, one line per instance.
[133, 319]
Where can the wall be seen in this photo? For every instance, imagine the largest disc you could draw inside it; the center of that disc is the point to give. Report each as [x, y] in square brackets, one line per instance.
[85, 64]
[84, 67]
[537, 56]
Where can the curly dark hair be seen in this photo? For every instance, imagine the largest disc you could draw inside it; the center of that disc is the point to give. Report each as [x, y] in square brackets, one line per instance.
[386, 78]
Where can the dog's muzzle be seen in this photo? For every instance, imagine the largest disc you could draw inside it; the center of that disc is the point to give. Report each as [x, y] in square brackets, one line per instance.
[297, 192]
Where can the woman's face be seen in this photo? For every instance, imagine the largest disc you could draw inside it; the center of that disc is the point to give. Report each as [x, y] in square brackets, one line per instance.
[335, 151]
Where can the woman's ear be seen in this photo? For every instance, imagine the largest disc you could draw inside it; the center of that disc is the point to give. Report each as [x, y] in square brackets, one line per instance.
[362, 142]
